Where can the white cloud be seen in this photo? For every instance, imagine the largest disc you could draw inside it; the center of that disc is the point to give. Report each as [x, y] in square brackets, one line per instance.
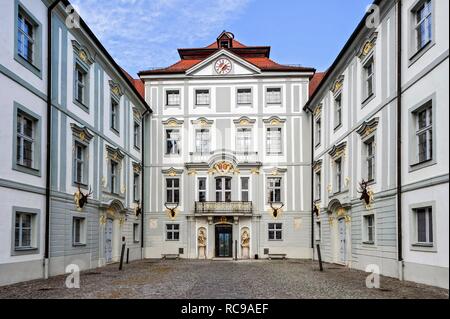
[145, 33]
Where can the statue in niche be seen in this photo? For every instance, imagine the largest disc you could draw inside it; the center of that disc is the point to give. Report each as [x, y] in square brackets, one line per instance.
[245, 244]
[201, 240]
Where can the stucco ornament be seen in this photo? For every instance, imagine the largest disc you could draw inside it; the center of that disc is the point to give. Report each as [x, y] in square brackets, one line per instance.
[102, 220]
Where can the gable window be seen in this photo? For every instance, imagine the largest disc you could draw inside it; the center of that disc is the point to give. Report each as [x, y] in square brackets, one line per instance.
[114, 176]
[244, 140]
[338, 111]
[370, 153]
[80, 85]
[245, 192]
[136, 233]
[244, 96]
[201, 97]
[274, 190]
[318, 131]
[173, 190]
[202, 145]
[274, 141]
[369, 229]
[115, 115]
[423, 226]
[137, 135]
[202, 189]
[369, 78]
[423, 24]
[26, 129]
[424, 133]
[173, 142]
[275, 231]
[318, 185]
[80, 164]
[172, 232]
[136, 180]
[273, 95]
[78, 231]
[173, 97]
[223, 189]
[338, 175]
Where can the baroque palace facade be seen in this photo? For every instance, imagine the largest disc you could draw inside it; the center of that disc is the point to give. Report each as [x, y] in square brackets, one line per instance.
[226, 153]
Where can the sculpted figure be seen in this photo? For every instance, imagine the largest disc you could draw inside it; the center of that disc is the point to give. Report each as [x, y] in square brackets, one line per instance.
[245, 239]
[201, 238]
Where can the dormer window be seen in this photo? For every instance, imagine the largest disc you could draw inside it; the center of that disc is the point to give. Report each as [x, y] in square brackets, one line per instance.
[225, 44]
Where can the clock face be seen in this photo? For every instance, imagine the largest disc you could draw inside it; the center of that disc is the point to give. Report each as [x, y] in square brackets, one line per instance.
[223, 66]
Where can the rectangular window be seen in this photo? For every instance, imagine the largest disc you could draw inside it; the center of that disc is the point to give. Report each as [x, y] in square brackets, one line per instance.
[338, 111]
[78, 231]
[114, 177]
[244, 140]
[273, 96]
[137, 135]
[172, 190]
[318, 232]
[338, 175]
[202, 141]
[136, 233]
[173, 97]
[423, 24]
[318, 185]
[223, 189]
[275, 231]
[202, 189]
[424, 134]
[274, 190]
[172, 232]
[24, 232]
[201, 97]
[424, 226]
[114, 115]
[274, 141]
[80, 164]
[318, 131]
[245, 191]
[136, 188]
[370, 148]
[244, 96]
[80, 85]
[26, 37]
[173, 144]
[369, 229]
[26, 131]
[369, 78]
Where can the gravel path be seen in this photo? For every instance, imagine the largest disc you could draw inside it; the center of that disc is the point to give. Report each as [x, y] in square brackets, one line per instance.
[182, 279]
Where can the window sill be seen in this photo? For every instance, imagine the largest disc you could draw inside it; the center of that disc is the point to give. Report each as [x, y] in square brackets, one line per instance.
[244, 105]
[318, 145]
[136, 148]
[115, 131]
[136, 241]
[336, 128]
[27, 170]
[278, 240]
[430, 248]
[78, 245]
[25, 251]
[83, 186]
[202, 105]
[367, 100]
[421, 165]
[81, 106]
[369, 243]
[274, 104]
[28, 65]
[419, 53]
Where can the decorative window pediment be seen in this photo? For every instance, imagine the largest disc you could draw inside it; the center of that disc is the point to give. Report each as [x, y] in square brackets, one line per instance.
[203, 122]
[137, 114]
[173, 122]
[116, 89]
[275, 171]
[338, 150]
[137, 167]
[368, 46]
[368, 127]
[82, 53]
[317, 165]
[318, 110]
[81, 132]
[244, 121]
[337, 85]
[274, 120]
[114, 153]
[172, 172]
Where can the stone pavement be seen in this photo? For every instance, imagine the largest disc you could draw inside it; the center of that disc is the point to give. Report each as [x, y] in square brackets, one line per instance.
[180, 279]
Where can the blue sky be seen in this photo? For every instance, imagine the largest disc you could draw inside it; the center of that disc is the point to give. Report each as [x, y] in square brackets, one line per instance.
[146, 33]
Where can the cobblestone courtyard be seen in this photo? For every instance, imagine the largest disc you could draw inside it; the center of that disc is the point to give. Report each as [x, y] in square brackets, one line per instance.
[221, 280]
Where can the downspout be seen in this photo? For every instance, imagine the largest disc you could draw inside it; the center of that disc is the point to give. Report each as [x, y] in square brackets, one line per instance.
[312, 178]
[143, 180]
[49, 129]
[399, 137]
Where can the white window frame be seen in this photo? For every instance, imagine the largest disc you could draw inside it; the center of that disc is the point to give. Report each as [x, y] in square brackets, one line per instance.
[136, 233]
[338, 111]
[367, 228]
[272, 189]
[136, 135]
[244, 98]
[114, 177]
[318, 232]
[199, 190]
[318, 184]
[175, 142]
[416, 51]
[34, 246]
[274, 96]
[244, 140]
[318, 131]
[82, 235]
[203, 141]
[172, 228]
[136, 187]
[22, 118]
[369, 77]
[244, 190]
[338, 174]
[202, 97]
[275, 228]
[415, 245]
[221, 194]
[173, 97]
[173, 189]
[115, 115]
[370, 159]
[269, 150]
[83, 161]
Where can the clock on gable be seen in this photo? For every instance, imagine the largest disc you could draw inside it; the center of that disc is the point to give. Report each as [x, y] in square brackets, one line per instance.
[223, 66]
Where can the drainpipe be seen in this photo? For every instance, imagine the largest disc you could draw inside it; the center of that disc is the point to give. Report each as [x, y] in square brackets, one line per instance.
[399, 137]
[312, 179]
[144, 116]
[49, 129]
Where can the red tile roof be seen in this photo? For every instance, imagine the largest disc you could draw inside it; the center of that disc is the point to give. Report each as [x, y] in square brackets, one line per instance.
[315, 82]
[258, 56]
[138, 84]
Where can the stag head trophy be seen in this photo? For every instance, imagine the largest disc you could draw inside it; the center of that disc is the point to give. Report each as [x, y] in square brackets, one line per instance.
[171, 210]
[276, 211]
[81, 199]
[138, 209]
[365, 192]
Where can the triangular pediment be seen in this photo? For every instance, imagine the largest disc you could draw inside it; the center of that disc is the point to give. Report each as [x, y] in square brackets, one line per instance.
[239, 66]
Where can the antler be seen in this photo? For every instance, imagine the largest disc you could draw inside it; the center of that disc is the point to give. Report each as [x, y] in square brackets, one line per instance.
[276, 209]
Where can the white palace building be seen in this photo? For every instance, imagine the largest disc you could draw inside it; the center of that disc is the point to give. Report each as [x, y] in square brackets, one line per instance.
[226, 154]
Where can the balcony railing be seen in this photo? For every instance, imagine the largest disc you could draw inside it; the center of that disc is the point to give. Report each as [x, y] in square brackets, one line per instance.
[223, 208]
